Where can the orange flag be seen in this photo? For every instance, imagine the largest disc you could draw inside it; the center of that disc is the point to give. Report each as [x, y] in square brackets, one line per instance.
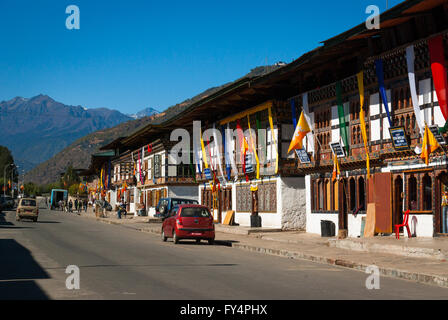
[430, 144]
[301, 130]
[336, 171]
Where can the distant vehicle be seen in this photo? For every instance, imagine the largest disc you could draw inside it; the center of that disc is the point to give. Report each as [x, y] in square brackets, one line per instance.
[165, 205]
[189, 221]
[27, 209]
[56, 196]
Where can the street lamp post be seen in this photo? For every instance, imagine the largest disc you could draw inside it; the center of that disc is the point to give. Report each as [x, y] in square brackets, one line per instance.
[12, 180]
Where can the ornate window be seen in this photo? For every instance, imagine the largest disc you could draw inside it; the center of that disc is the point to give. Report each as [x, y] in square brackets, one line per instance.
[427, 192]
[361, 194]
[412, 200]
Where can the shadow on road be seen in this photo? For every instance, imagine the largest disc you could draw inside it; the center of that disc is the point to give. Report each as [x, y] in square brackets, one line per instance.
[6, 224]
[18, 270]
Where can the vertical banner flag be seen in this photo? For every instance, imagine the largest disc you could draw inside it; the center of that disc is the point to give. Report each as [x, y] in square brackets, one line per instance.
[226, 153]
[341, 114]
[254, 149]
[299, 133]
[204, 155]
[380, 76]
[430, 144]
[410, 57]
[336, 171]
[437, 59]
[306, 113]
[293, 111]
[218, 152]
[197, 152]
[271, 124]
[243, 145]
[362, 120]
[230, 148]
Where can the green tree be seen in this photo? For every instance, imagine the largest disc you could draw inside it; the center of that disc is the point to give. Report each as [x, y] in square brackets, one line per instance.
[6, 159]
[69, 178]
[74, 189]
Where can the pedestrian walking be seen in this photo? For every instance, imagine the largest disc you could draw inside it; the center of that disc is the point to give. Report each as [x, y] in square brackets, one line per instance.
[76, 205]
[70, 206]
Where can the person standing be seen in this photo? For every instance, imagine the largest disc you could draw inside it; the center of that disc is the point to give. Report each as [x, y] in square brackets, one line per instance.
[444, 209]
[70, 206]
[76, 205]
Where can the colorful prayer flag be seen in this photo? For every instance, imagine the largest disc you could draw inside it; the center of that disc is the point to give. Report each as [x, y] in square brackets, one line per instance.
[430, 144]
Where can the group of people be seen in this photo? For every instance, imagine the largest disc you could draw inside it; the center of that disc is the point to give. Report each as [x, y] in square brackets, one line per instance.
[70, 206]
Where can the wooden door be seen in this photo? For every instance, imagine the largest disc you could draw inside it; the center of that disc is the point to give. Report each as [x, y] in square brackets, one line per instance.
[383, 202]
[343, 214]
[397, 213]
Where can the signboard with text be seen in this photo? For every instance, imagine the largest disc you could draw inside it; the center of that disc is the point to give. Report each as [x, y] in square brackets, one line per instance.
[435, 131]
[303, 156]
[398, 136]
[337, 149]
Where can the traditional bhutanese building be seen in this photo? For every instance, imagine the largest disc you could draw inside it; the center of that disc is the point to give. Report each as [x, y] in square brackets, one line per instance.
[411, 37]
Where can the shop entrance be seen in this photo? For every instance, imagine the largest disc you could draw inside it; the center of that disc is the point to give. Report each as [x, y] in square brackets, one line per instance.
[343, 215]
[397, 213]
[441, 186]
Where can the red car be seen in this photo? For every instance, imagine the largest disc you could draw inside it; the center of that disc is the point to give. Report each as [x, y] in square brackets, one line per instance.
[189, 221]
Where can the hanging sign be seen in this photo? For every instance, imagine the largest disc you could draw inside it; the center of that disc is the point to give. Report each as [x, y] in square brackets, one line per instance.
[435, 131]
[249, 166]
[208, 174]
[399, 140]
[337, 149]
[302, 155]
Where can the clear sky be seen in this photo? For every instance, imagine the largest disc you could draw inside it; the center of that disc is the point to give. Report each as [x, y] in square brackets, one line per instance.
[133, 54]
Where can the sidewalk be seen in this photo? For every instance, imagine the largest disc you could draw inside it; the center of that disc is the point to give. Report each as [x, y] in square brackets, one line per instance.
[418, 259]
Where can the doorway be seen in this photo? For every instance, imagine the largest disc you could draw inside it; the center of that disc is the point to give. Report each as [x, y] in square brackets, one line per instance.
[397, 214]
[343, 215]
[442, 183]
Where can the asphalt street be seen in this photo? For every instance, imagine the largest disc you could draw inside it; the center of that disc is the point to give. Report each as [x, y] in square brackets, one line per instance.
[120, 263]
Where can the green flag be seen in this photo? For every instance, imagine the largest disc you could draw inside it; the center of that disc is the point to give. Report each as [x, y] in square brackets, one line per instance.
[342, 122]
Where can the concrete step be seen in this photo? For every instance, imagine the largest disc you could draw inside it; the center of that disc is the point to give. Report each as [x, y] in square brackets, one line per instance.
[243, 230]
[396, 249]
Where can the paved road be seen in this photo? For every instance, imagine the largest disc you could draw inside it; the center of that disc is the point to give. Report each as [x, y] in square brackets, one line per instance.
[120, 263]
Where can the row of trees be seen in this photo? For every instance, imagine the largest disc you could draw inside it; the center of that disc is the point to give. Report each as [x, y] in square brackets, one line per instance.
[69, 180]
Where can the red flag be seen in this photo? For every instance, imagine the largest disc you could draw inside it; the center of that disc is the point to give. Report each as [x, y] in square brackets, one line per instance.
[437, 57]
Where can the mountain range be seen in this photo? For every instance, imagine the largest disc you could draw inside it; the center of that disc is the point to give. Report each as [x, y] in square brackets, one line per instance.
[79, 151]
[37, 128]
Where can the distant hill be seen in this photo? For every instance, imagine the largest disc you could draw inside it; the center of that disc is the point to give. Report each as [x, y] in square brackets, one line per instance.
[78, 153]
[36, 129]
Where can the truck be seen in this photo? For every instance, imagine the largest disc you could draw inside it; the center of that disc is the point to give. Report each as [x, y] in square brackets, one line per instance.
[56, 196]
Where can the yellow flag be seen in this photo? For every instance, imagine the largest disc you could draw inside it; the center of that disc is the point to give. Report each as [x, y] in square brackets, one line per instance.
[254, 148]
[430, 144]
[362, 120]
[301, 130]
[336, 171]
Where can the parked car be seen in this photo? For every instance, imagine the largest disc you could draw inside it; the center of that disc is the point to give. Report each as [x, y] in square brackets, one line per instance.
[189, 221]
[165, 205]
[27, 209]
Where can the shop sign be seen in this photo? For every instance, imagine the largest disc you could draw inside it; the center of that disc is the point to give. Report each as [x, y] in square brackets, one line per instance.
[337, 149]
[249, 166]
[399, 140]
[303, 156]
[208, 174]
[435, 131]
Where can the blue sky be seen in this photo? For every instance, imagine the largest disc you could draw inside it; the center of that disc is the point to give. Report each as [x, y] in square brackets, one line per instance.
[133, 54]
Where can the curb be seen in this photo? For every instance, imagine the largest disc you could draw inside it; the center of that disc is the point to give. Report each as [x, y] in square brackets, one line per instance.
[431, 279]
